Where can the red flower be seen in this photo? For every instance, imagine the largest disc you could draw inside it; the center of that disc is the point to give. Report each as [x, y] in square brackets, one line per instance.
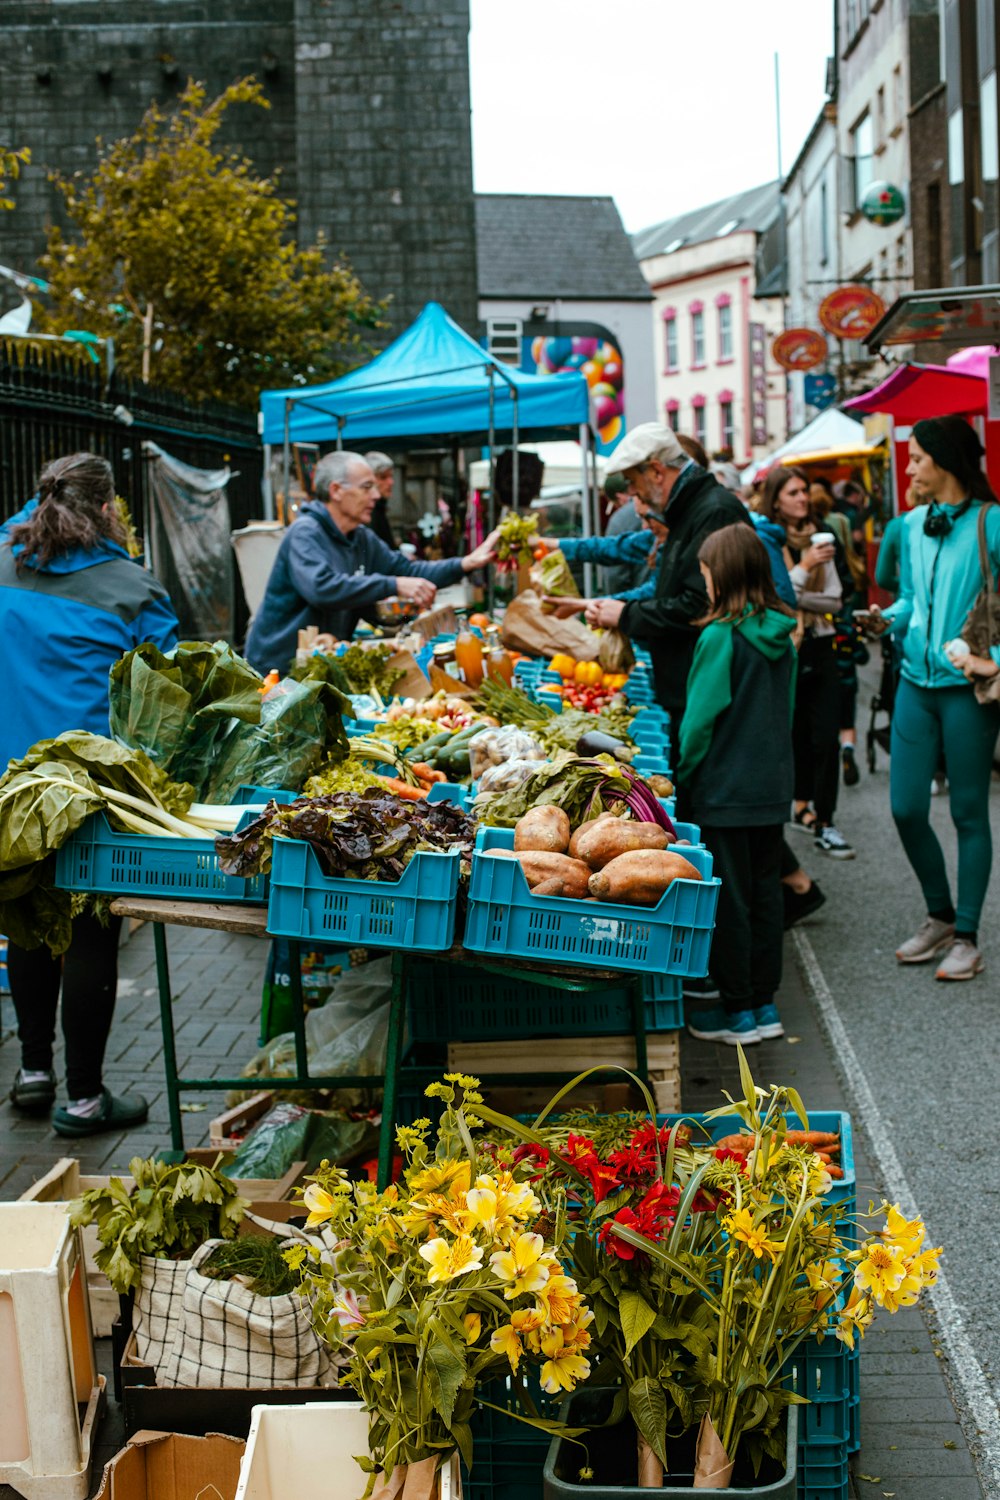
[582, 1153]
[611, 1242]
[724, 1154]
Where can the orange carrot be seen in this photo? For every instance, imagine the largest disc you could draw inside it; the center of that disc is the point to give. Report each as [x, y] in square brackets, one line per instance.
[834, 1171]
[428, 773]
[814, 1138]
[404, 789]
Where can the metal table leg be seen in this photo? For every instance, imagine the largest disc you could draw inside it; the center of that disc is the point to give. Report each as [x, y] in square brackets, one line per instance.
[167, 1028]
[298, 1007]
[390, 1083]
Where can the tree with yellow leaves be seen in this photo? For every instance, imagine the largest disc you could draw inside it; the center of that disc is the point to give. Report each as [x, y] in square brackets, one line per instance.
[184, 255]
[11, 163]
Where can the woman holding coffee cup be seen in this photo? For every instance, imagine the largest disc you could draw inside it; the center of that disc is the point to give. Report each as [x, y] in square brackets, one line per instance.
[943, 681]
[820, 578]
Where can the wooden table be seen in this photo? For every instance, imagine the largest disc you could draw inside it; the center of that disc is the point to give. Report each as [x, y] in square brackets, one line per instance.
[252, 921]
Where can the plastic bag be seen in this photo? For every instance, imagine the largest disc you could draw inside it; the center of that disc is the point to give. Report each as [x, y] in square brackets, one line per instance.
[615, 653]
[189, 540]
[289, 1133]
[493, 747]
[552, 576]
[506, 777]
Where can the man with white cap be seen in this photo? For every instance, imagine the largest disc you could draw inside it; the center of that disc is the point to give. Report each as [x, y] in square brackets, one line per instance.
[691, 503]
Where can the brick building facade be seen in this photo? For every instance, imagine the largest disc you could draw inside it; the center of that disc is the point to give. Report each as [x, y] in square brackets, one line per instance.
[369, 120]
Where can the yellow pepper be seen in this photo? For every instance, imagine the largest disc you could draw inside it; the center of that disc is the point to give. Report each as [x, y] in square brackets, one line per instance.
[563, 664]
[588, 673]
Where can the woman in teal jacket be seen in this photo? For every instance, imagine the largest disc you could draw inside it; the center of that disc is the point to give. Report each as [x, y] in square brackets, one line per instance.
[936, 709]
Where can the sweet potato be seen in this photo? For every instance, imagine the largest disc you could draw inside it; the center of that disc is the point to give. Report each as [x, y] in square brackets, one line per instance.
[543, 828]
[585, 828]
[541, 867]
[606, 841]
[640, 877]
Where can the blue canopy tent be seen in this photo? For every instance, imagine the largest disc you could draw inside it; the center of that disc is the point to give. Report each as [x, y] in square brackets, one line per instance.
[435, 383]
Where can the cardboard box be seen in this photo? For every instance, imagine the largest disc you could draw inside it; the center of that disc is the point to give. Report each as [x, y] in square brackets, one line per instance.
[171, 1466]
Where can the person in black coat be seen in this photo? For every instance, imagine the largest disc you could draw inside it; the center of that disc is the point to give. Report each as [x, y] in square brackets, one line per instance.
[691, 504]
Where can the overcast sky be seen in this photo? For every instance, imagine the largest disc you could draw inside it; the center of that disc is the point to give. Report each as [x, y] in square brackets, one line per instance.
[663, 104]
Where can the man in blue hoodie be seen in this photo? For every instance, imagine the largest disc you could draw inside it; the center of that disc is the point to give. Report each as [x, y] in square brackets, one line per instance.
[331, 568]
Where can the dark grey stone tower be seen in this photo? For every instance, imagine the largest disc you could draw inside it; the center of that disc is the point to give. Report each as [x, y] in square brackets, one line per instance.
[369, 120]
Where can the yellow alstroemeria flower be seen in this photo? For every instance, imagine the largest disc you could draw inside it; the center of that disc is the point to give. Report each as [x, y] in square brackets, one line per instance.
[854, 1318]
[499, 1204]
[322, 1205]
[563, 1366]
[450, 1258]
[575, 1334]
[907, 1234]
[882, 1269]
[451, 1177]
[925, 1265]
[505, 1341]
[433, 1213]
[742, 1227]
[824, 1280]
[521, 1266]
[559, 1298]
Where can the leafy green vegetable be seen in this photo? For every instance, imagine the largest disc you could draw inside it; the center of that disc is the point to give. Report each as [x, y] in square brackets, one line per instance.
[509, 705]
[564, 730]
[44, 798]
[198, 713]
[371, 836]
[518, 535]
[555, 576]
[582, 787]
[170, 1210]
[368, 668]
[257, 1260]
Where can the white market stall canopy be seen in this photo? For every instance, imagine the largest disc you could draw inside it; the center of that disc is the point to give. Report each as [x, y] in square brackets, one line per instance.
[830, 430]
[563, 465]
[432, 383]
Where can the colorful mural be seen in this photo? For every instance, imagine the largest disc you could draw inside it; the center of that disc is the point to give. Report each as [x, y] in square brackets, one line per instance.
[595, 355]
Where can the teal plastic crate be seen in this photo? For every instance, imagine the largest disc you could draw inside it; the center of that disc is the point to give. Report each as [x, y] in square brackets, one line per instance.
[96, 858]
[257, 794]
[673, 937]
[507, 1455]
[416, 912]
[854, 1380]
[450, 791]
[652, 765]
[819, 1480]
[455, 1002]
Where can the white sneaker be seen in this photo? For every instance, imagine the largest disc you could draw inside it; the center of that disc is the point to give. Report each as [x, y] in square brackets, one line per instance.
[930, 939]
[962, 961]
[832, 842]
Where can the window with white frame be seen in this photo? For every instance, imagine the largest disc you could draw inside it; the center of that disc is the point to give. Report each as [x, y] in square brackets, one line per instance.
[671, 357]
[504, 339]
[863, 144]
[697, 336]
[725, 330]
[674, 415]
[698, 412]
[727, 435]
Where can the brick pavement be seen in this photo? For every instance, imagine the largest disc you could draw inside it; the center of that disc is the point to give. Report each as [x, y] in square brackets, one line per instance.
[912, 1444]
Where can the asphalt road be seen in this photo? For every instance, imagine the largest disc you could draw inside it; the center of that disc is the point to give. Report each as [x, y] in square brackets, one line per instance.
[921, 1061]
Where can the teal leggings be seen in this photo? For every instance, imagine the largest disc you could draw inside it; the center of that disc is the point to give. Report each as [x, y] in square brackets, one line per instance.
[926, 721]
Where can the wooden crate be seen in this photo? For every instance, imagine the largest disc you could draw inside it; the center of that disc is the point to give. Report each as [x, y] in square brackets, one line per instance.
[574, 1055]
[64, 1181]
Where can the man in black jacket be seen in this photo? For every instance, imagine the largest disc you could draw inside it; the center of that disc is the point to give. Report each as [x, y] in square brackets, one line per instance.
[691, 504]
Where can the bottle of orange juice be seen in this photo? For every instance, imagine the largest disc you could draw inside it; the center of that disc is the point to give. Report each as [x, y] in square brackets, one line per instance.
[469, 654]
[498, 663]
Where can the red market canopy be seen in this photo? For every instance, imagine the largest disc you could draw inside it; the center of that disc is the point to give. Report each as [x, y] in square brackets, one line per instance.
[913, 392]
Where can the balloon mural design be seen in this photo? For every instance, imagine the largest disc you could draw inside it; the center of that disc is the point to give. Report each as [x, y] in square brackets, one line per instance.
[601, 363]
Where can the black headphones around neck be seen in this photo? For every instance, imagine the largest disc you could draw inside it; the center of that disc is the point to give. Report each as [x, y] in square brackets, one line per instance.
[939, 522]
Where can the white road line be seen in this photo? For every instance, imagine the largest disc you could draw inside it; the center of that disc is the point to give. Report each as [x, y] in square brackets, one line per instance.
[964, 1369]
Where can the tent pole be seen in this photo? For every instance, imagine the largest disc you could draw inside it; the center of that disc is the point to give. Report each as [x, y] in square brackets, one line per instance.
[286, 472]
[515, 490]
[586, 526]
[266, 488]
[340, 434]
[491, 509]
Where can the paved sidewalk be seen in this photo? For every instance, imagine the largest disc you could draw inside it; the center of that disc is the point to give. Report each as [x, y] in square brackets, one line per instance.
[913, 1447]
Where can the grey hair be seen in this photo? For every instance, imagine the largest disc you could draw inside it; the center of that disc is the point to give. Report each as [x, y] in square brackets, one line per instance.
[379, 462]
[334, 468]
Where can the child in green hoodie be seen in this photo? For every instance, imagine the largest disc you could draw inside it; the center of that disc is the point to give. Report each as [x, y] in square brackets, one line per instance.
[736, 762]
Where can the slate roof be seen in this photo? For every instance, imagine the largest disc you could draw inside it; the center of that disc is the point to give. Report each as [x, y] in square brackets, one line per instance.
[544, 246]
[754, 209]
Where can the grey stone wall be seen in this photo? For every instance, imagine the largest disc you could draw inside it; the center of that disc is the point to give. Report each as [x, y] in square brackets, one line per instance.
[369, 121]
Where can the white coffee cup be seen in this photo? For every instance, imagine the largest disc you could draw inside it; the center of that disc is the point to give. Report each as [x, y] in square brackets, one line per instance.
[956, 651]
[823, 538]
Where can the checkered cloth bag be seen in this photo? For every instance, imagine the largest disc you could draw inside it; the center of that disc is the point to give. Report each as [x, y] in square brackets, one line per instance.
[157, 1307]
[228, 1336]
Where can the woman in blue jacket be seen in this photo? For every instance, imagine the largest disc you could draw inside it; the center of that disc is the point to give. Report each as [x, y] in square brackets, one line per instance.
[936, 709]
[71, 602]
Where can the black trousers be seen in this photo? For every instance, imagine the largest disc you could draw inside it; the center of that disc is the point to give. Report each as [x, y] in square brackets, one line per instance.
[816, 727]
[749, 929]
[88, 973]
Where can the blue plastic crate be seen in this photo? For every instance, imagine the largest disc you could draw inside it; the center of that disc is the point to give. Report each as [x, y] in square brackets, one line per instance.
[257, 794]
[507, 1455]
[416, 912]
[673, 937]
[652, 765]
[449, 791]
[96, 858]
[652, 741]
[458, 1002]
[817, 1480]
[549, 700]
[854, 1380]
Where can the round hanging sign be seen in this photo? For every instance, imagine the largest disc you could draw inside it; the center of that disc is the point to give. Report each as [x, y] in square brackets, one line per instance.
[851, 312]
[882, 203]
[799, 349]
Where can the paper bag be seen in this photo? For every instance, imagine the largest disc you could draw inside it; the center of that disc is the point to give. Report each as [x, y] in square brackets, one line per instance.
[413, 683]
[713, 1468]
[525, 628]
